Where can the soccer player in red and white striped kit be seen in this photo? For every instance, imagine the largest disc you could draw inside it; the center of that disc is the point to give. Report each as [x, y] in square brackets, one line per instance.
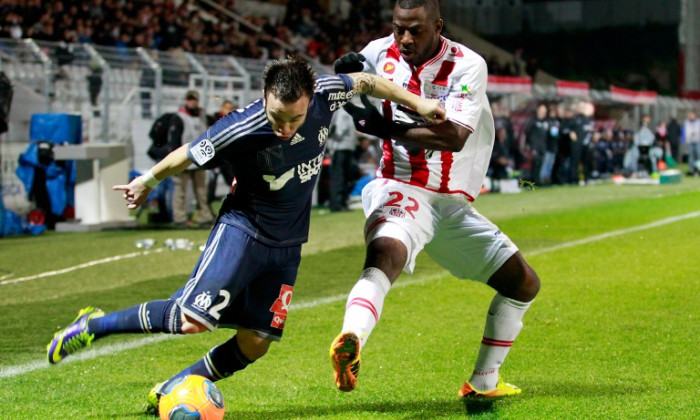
[421, 198]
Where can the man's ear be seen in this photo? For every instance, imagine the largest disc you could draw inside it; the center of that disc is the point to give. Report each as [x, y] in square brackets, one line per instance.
[439, 24]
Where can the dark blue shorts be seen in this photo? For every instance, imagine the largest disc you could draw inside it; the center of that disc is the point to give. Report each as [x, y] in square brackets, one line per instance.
[239, 282]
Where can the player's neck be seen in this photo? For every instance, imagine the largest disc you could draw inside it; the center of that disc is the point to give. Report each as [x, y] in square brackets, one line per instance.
[436, 51]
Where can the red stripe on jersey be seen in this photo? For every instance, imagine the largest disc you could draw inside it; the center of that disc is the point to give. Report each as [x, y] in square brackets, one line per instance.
[365, 304]
[393, 52]
[447, 159]
[414, 83]
[464, 193]
[444, 72]
[496, 343]
[419, 168]
[388, 168]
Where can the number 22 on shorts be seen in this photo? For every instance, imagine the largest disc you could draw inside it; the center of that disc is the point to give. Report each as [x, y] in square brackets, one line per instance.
[401, 205]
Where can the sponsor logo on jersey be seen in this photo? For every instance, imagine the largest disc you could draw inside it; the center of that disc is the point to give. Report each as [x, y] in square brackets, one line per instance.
[339, 99]
[277, 183]
[203, 301]
[202, 152]
[311, 168]
[336, 96]
[322, 135]
[466, 92]
[389, 67]
[281, 306]
[296, 139]
[434, 91]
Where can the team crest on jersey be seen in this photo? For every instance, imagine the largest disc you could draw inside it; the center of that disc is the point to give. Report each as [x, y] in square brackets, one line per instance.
[322, 135]
[389, 67]
[397, 212]
[203, 301]
[281, 306]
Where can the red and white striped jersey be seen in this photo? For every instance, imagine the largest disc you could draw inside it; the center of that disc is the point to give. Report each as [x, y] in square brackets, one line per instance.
[457, 77]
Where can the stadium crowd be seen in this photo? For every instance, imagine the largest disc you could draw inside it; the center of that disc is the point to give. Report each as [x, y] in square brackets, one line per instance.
[323, 30]
[563, 143]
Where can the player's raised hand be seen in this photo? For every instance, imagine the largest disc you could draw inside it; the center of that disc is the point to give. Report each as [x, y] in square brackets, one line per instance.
[135, 193]
[349, 63]
[432, 110]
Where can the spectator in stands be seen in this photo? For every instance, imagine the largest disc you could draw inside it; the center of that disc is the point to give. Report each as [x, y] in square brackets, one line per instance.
[601, 154]
[536, 134]
[342, 142]
[551, 147]
[193, 123]
[225, 169]
[638, 152]
[619, 147]
[501, 119]
[691, 136]
[501, 165]
[562, 164]
[582, 131]
[673, 130]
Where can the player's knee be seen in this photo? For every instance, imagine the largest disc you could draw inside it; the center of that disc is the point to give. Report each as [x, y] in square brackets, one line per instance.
[191, 325]
[516, 279]
[251, 344]
[529, 284]
[388, 255]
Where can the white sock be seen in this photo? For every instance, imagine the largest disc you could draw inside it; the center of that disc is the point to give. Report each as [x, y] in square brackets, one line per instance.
[365, 302]
[503, 323]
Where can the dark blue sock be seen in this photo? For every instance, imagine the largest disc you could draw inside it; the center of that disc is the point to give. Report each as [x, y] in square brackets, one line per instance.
[219, 363]
[150, 317]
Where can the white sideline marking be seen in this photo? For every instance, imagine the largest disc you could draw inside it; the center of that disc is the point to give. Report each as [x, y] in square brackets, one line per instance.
[602, 236]
[79, 266]
[11, 371]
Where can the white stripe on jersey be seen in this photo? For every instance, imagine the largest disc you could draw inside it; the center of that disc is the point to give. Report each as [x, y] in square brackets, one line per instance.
[329, 84]
[245, 131]
[225, 136]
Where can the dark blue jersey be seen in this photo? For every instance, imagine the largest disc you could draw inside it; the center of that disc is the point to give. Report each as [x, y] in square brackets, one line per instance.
[276, 179]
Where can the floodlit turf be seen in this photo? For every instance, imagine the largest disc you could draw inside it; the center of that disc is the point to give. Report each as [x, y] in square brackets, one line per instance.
[613, 333]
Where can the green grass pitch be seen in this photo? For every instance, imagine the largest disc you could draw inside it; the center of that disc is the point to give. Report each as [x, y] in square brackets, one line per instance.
[613, 333]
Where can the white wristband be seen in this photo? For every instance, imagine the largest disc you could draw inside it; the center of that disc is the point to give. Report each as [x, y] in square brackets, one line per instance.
[149, 180]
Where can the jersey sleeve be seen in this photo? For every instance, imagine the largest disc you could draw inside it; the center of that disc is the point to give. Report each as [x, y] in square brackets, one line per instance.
[371, 53]
[334, 90]
[208, 150]
[465, 100]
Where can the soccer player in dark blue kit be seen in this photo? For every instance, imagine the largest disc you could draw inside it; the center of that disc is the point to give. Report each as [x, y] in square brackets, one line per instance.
[245, 277]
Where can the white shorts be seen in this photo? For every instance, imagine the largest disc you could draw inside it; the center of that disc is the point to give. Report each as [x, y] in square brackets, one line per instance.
[452, 232]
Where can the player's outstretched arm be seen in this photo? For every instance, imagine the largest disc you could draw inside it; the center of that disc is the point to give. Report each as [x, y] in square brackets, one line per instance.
[443, 135]
[136, 192]
[378, 87]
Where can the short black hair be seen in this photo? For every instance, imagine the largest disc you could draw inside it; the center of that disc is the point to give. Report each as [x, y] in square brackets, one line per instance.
[430, 5]
[289, 79]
